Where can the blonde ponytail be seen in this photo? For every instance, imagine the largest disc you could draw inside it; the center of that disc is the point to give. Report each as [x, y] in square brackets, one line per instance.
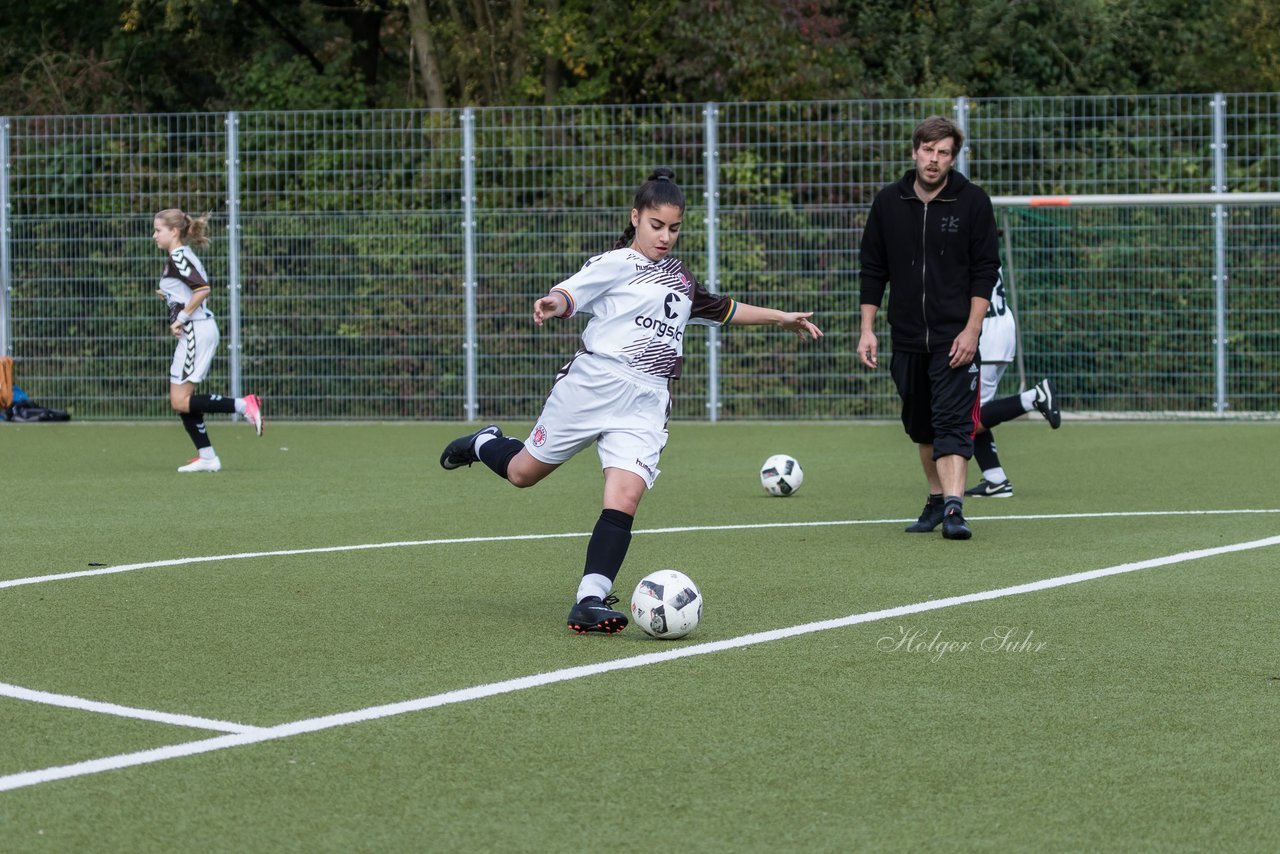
[192, 230]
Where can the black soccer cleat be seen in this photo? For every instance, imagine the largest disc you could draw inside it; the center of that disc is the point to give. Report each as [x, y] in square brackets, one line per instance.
[594, 614]
[930, 517]
[953, 526]
[987, 489]
[462, 452]
[1046, 403]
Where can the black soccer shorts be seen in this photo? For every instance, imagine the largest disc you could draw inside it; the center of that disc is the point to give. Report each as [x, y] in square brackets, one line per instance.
[940, 404]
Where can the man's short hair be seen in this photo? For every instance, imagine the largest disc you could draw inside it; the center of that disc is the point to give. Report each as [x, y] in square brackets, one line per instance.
[935, 128]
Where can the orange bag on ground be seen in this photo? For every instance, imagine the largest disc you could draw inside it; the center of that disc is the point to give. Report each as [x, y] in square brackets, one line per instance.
[6, 381]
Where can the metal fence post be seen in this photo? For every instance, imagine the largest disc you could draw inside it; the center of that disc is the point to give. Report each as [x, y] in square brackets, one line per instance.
[962, 119]
[233, 250]
[1220, 253]
[470, 343]
[6, 269]
[710, 113]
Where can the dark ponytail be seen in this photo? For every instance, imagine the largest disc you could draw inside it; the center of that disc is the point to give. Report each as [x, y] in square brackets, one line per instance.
[659, 189]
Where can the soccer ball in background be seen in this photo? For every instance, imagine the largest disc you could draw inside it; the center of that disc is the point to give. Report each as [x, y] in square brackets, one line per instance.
[781, 475]
[666, 604]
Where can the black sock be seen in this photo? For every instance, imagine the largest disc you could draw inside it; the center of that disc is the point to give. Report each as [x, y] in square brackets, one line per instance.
[953, 502]
[935, 499]
[497, 454]
[194, 424]
[984, 450]
[213, 403]
[999, 411]
[609, 543]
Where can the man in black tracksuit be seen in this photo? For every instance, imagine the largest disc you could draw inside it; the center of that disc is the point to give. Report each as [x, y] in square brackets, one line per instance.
[932, 238]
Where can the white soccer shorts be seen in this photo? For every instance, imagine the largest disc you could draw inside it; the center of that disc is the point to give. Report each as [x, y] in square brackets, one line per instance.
[624, 414]
[991, 373]
[193, 356]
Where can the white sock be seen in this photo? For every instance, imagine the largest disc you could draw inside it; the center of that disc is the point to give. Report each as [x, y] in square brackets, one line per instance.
[1028, 400]
[208, 454]
[240, 407]
[594, 584]
[481, 439]
[995, 475]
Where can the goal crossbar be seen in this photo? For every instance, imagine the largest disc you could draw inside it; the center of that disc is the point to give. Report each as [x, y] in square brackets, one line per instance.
[1135, 200]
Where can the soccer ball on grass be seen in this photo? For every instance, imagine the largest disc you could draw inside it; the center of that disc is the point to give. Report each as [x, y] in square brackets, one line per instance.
[666, 604]
[781, 475]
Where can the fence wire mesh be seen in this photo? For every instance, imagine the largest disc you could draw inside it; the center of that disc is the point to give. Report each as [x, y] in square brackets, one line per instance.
[387, 261]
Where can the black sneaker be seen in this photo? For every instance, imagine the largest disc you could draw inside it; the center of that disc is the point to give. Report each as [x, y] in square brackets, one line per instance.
[987, 489]
[930, 517]
[594, 614]
[462, 452]
[1046, 403]
[953, 526]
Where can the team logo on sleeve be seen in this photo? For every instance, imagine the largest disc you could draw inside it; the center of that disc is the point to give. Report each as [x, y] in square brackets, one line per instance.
[180, 263]
[539, 436]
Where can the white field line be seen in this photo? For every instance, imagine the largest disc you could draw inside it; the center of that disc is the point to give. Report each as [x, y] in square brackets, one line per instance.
[80, 704]
[184, 561]
[286, 730]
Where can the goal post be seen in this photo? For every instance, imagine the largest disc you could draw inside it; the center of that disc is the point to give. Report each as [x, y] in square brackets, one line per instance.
[1122, 291]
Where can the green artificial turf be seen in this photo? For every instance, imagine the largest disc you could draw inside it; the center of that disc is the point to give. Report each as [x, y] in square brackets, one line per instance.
[1127, 713]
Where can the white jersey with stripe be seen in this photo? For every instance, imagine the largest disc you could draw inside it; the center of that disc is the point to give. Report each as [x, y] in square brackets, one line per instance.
[999, 339]
[639, 310]
[184, 275]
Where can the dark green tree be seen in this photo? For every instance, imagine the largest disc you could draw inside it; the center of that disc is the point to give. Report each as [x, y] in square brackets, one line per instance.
[102, 56]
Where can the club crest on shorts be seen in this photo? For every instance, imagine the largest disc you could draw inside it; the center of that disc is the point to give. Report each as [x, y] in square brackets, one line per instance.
[539, 436]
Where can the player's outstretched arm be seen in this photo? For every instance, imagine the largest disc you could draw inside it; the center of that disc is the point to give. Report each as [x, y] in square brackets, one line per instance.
[551, 305]
[792, 321]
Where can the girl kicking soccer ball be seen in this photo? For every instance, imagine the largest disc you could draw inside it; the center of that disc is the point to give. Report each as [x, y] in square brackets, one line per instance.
[614, 391]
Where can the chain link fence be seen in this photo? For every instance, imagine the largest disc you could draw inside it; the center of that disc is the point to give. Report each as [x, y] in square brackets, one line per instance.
[383, 264]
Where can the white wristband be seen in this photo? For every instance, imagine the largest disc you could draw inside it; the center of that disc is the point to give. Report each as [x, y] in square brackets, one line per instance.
[183, 317]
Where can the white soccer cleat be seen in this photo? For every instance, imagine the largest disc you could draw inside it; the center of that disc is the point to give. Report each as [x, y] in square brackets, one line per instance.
[253, 412]
[201, 464]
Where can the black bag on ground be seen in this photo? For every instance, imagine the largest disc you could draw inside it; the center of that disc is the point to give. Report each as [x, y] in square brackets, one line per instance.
[26, 410]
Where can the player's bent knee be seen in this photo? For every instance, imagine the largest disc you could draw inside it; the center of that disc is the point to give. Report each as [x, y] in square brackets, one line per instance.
[521, 480]
[522, 477]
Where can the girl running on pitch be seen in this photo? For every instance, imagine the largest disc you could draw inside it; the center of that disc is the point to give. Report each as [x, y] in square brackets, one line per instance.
[614, 391]
[184, 285]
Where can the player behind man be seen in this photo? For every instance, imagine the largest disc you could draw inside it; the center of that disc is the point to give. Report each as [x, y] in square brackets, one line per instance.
[997, 347]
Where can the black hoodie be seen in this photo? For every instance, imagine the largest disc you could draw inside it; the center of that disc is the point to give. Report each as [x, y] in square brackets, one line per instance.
[936, 257]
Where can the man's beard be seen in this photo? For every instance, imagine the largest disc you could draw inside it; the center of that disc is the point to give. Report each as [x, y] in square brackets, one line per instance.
[930, 186]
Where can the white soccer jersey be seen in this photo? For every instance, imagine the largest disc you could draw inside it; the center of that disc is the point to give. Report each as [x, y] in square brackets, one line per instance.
[184, 275]
[999, 340]
[639, 309]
